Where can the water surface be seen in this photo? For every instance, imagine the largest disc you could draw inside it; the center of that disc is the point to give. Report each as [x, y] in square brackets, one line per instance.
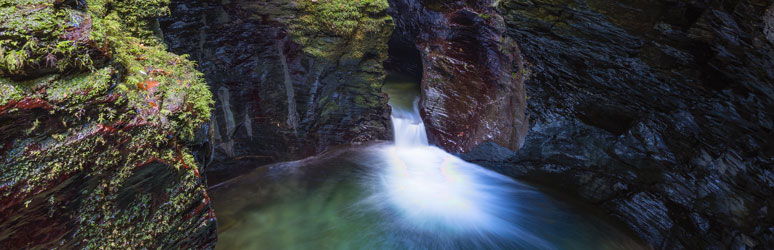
[401, 195]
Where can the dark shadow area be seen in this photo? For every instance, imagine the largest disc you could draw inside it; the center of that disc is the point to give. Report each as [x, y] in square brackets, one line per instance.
[404, 57]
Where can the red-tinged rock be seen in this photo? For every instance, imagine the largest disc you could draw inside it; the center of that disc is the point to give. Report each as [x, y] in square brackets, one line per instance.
[78, 32]
[28, 102]
[80, 165]
[105, 129]
[107, 99]
[147, 85]
[159, 72]
[32, 102]
[469, 94]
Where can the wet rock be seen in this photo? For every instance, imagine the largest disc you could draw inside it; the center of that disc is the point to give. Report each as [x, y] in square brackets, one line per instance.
[56, 47]
[657, 111]
[290, 82]
[96, 155]
[489, 151]
[469, 94]
[652, 221]
[768, 20]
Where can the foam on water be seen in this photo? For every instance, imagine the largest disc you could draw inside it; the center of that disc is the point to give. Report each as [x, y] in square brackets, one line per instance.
[403, 195]
[409, 128]
[432, 190]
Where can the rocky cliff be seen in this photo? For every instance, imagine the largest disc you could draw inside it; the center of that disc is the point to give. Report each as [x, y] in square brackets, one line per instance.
[659, 112]
[469, 93]
[291, 78]
[96, 120]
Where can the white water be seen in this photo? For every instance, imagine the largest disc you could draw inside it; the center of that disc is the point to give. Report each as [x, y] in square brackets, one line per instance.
[433, 191]
[405, 195]
[409, 128]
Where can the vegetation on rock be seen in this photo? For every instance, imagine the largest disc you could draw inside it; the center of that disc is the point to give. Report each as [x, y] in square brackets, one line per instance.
[297, 75]
[89, 99]
[353, 22]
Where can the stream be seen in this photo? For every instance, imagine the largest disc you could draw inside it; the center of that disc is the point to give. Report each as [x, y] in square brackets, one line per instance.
[404, 194]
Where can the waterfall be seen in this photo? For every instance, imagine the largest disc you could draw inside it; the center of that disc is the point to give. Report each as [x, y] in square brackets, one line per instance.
[431, 190]
[402, 195]
[408, 126]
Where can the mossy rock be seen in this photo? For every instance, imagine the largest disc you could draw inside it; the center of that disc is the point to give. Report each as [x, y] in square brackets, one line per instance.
[342, 28]
[78, 129]
[39, 37]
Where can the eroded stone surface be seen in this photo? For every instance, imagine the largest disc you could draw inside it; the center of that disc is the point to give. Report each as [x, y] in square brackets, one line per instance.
[290, 79]
[469, 94]
[659, 112]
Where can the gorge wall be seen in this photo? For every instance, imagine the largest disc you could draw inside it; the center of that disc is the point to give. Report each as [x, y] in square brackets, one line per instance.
[291, 78]
[659, 112]
[469, 93]
[97, 120]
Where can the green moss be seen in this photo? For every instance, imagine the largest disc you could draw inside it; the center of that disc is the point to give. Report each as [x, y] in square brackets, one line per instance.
[117, 99]
[181, 98]
[134, 16]
[9, 91]
[341, 17]
[37, 35]
[101, 222]
[333, 28]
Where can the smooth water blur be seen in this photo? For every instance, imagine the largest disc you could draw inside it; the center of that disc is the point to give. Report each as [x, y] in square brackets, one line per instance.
[408, 124]
[402, 195]
[431, 191]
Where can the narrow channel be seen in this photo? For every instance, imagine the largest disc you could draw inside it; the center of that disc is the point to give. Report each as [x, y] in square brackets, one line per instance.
[404, 194]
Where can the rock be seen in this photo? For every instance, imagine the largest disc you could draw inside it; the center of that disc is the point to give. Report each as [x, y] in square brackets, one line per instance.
[469, 94]
[652, 220]
[95, 154]
[768, 20]
[657, 111]
[488, 151]
[56, 46]
[293, 77]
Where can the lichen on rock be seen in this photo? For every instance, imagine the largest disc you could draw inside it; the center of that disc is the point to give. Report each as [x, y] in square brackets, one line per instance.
[91, 107]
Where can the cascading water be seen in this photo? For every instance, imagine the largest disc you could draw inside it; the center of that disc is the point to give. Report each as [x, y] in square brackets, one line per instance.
[431, 190]
[409, 128]
[401, 195]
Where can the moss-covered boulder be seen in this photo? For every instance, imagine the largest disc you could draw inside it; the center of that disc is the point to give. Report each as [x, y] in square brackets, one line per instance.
[96, 119]
[291, 78]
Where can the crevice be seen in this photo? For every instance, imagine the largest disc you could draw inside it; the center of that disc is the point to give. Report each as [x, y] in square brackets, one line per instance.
[404, 57]
[292, 112]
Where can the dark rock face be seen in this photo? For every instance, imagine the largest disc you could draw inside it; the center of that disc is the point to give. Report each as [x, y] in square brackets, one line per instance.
[768, 21]
[469, 94]
[659, 112]
[281, 93]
